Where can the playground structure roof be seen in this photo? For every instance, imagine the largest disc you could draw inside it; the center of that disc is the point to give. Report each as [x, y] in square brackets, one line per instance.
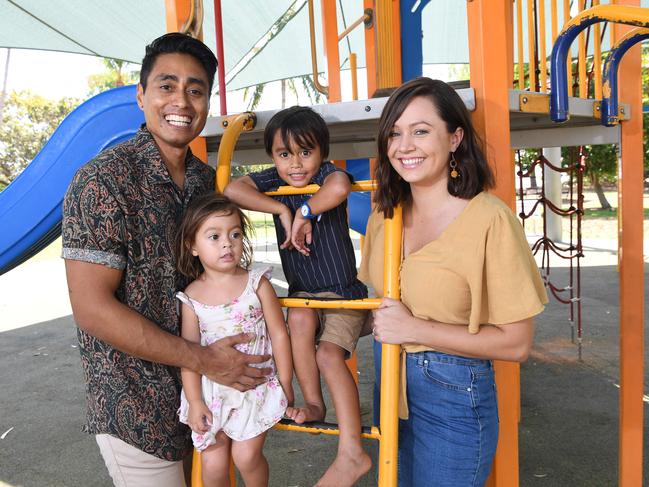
[121, 28]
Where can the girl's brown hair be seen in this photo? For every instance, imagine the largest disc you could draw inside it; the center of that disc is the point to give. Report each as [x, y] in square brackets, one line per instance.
[197, 212]
[475, 174]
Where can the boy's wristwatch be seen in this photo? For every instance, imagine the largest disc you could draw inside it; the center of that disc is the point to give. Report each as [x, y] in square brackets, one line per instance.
[305, 209]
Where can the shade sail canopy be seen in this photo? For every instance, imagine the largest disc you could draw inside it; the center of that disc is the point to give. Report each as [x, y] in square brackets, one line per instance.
[264, 40]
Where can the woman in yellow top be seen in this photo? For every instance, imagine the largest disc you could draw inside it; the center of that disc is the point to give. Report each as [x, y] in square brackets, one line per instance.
[469, 284]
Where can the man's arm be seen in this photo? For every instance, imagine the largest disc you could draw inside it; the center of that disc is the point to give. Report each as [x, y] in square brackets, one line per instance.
[97, 311]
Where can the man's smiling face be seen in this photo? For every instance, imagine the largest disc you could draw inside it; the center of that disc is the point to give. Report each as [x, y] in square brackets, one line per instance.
[176, 100]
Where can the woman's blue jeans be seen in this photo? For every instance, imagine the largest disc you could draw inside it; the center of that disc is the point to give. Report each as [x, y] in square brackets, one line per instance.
[450, 436]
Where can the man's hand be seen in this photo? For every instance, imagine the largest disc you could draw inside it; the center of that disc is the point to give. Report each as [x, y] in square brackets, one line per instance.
[226, 365]
[301, 234]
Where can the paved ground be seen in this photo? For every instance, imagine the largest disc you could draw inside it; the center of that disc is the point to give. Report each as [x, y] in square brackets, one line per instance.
[569, 407]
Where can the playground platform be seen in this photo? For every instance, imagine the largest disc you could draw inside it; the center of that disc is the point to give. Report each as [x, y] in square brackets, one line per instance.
[569, 409]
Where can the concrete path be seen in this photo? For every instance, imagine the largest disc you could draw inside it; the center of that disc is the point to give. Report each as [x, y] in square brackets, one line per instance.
[568, 434]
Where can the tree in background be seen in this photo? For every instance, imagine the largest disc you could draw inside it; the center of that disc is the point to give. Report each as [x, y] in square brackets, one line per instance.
[116, 74]
[28, 121]
[254, 93]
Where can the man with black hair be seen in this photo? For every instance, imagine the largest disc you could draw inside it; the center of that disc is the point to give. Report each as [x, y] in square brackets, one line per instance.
[119, 220]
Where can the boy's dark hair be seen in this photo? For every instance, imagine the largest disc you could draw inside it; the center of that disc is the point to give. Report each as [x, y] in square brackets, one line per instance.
[475, 174]
[197, 212]
[303, 125]
[175, 42]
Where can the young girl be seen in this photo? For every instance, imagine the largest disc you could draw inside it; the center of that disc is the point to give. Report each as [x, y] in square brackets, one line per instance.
[227, 299]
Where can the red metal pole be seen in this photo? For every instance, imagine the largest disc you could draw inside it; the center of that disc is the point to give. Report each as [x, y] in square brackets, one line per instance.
[218, 26]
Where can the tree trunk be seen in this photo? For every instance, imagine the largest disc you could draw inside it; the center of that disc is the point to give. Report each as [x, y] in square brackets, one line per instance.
[603, 202]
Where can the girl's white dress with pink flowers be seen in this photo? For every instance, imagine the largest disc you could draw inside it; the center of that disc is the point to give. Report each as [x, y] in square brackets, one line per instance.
[241, 415]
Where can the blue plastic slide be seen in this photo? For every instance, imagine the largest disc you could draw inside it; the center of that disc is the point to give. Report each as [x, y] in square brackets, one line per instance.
[30, 207]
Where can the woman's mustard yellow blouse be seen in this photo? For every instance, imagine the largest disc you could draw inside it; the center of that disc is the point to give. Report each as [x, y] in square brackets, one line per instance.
[480, 270]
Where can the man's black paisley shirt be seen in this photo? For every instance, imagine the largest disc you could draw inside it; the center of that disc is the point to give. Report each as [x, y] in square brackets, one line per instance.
[122, 210]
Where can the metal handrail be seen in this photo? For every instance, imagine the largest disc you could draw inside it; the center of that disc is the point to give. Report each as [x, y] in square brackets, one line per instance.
[619, 14]
[610, 105]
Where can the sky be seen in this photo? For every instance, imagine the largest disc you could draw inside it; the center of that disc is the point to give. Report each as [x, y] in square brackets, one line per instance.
[48, 73]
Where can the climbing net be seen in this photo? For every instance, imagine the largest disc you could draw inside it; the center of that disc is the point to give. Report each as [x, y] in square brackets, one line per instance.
[571, 250]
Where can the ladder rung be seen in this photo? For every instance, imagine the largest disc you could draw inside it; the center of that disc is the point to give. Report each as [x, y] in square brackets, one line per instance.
[369, 185]
[368, 303]
[317, 428]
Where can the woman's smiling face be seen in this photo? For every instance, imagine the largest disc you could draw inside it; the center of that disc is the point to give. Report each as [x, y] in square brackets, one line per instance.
[419, 144]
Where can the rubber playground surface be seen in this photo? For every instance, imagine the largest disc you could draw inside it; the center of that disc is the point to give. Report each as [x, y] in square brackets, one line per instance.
[569, 421]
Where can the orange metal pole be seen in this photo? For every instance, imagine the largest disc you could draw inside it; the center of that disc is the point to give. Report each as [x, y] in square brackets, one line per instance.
[388, 44]
[631, 269]
[330, 30]
[490, 77]
[177, 13]
[531, 58]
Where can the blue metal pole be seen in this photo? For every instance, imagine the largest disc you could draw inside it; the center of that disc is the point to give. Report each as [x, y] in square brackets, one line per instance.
[412, 57]
[610, 105]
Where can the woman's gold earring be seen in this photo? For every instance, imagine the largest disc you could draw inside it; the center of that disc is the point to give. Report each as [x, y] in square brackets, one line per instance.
[453, 165]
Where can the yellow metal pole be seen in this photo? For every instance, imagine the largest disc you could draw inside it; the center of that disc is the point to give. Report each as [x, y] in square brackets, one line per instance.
[531, 44]
[234, 125]
[519, 44]
[566, 19]
[490, 77]
[612, 27]
[583, 78]
[597, 58]
[543, 76]
[353, 70]
[631, 260]
[390, 364]
[555, 19]
[387, 74]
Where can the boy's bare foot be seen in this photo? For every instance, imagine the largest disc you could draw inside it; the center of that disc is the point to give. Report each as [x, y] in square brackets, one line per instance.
[306, 414]
[345, 470]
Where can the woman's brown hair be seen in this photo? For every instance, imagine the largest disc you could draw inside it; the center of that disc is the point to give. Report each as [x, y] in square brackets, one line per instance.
[474, 172]
[197, 212]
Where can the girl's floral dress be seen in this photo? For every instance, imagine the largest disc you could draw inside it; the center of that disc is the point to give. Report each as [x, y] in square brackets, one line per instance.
[241, 415]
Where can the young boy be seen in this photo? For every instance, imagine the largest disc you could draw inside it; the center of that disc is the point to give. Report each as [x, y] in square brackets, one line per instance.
[318, 261]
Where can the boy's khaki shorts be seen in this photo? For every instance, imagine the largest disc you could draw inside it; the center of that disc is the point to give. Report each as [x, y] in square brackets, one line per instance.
[339, 326]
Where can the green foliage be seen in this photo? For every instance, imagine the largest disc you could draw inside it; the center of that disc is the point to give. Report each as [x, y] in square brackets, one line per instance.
[28, 121]
[115, 74]
[601, 161]
[254, 93]
[241, 170]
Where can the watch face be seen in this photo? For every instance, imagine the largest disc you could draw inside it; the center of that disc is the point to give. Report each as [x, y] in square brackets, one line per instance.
[305, 210]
